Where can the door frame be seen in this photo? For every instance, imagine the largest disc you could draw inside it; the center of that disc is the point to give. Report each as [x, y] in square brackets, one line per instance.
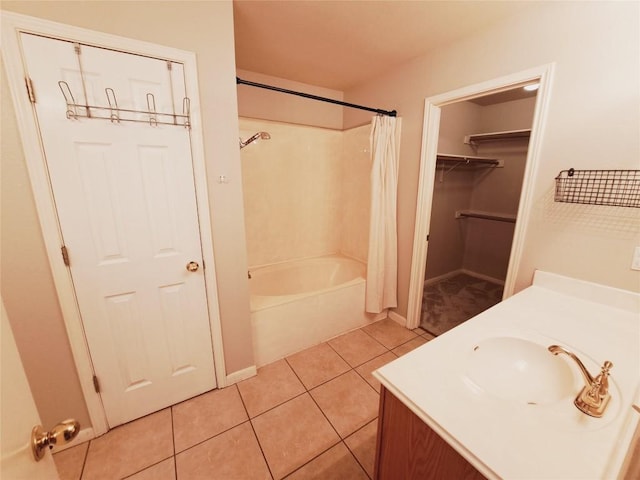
[12, 26]
[430, 131]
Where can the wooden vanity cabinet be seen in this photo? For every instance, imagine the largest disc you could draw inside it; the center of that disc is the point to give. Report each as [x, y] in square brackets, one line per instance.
[407, 448]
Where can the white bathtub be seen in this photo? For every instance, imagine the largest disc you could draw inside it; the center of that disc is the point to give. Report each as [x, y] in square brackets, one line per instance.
[296, 305]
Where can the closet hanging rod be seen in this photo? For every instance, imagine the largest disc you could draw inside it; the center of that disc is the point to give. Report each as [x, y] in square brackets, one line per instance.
[391, 113]
[500, 217]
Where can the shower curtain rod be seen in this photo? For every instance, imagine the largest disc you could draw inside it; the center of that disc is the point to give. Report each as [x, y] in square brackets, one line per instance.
[240, 81]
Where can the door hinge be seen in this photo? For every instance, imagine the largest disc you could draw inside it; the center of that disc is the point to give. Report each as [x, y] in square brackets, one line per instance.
[65, 255]
[169, 66]
[30, 91]
[76, 48]
[96, 384]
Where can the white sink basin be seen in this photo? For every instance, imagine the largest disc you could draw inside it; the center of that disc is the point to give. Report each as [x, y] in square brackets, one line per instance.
[520, 370]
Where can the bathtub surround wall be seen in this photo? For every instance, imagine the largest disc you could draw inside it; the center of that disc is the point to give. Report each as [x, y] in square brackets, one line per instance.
[291, 186]
[355, 185]
[592, 123]
[306, 192]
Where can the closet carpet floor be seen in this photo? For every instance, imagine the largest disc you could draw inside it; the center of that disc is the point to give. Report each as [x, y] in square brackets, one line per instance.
[451, 301]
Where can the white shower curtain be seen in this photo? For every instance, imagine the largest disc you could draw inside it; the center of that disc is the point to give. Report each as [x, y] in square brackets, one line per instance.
[382, 264]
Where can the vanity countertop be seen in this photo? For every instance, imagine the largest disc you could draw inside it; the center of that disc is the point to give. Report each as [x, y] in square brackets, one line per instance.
[510, 438]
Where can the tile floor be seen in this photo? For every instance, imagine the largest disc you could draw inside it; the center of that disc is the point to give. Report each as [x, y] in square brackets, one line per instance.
[312, 415]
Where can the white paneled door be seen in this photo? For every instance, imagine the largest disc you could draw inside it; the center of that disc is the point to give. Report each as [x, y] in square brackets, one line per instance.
[125, 199]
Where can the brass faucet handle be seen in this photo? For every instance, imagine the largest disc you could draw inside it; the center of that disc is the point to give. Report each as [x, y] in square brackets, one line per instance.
[602, 380]
[594, 396]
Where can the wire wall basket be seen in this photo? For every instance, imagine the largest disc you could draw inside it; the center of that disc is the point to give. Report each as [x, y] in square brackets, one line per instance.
[616, 188]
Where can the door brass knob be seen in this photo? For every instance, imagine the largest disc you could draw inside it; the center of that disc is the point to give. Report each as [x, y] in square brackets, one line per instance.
[193, 266]
[62, 433]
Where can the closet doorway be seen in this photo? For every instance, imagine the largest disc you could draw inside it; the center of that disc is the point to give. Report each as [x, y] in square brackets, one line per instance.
[482, 154]
[479, 157]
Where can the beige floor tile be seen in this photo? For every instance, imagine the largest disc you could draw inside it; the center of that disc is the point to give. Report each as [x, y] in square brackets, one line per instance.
[317, 364]
[363, 445]
[69, 462]
[337, 463]
[206, 415]
[165, 470]
[428, 336]
[410, 345]
[357, 347]
[389, 333]
[348, 402]
[232, 455]
[130, 448]
[365, 370]
[292, 434]
[274, 384]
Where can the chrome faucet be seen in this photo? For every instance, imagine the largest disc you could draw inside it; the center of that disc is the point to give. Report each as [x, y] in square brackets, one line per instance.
[594, 396]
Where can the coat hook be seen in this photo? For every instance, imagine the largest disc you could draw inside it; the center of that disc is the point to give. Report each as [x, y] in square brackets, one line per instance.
[151, 107]
[186, 111]
[113, 105]
[71, 104]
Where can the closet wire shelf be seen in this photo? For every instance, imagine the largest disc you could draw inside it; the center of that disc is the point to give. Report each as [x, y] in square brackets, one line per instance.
[616, 188]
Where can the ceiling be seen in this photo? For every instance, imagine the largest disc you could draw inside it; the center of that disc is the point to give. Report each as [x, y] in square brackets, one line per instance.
[341, 44]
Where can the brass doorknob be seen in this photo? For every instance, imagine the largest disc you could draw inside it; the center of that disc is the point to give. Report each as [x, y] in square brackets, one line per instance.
[193, 266]
[62, 433]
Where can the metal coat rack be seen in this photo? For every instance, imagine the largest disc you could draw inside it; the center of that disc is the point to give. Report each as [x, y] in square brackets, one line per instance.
[116, 114]
[154, 118]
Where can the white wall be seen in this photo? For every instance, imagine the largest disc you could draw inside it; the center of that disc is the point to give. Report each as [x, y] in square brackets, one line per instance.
[593, 122]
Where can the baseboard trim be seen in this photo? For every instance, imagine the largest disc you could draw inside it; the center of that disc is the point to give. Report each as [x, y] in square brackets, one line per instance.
[84, 435]
[240, 375]
[471, 273]
[482, 276]
[444, 276]
[380, 316]
[396, 317]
